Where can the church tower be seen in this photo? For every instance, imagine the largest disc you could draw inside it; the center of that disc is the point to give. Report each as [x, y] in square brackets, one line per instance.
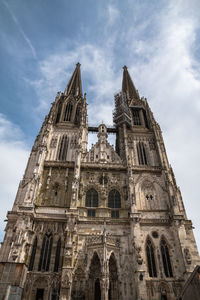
[100, 224]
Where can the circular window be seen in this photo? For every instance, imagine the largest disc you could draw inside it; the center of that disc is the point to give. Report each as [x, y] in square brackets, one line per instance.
[155, 234]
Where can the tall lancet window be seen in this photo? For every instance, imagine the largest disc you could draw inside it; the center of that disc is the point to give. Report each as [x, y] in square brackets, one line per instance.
[166, 258]
[92, 201]
[68, 112]
[59, 112]
[91, 198]
[151, 259]
[45, 255]
[142, 157]
[62, 150]
[136, 116]
[77, 115]
[32, 259]
[114, 202]
[114, 199]
[57, 257]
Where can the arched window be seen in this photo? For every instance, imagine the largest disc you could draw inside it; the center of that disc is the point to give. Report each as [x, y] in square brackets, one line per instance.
[166, 258]
[32, 259]
[68, 112]
[62, 150]
[150, 259]
[91, 198]
[136, 116]
[77, 115]
[57, 257]
[142, 158]
[45, 255]
[114, 199]
[59, 112]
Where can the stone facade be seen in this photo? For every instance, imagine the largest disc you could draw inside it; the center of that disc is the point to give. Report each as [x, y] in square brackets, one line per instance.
[103, 224]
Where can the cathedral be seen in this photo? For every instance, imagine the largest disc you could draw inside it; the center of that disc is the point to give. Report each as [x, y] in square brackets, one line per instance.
[106, 223]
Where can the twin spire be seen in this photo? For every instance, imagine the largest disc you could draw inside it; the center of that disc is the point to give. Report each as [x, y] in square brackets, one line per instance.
[128, 86]
[74, 86]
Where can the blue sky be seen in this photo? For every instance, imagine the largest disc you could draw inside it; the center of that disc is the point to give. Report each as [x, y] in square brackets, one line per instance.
[159, 41]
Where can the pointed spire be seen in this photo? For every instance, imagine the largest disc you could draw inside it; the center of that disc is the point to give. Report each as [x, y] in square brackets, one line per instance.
[128, 86]
[74, 86]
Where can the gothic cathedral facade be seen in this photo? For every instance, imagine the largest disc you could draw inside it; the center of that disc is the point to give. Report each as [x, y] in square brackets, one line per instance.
[100, 224]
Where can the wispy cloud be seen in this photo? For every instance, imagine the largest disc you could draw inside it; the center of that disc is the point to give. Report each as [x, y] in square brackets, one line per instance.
[113, 14]
[13, 157]
[27, 40]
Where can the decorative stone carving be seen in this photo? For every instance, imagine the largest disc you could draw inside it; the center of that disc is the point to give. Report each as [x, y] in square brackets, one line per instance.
[187, 256]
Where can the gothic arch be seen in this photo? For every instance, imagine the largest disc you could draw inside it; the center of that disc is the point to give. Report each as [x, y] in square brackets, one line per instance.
[68, 111]
[92, 198]
[148, 197]
[164, 291]
[94, 280]
[79, 283]
[45, 253]
[166, 257]
[113, 292]
[33, 253]
[151, 257]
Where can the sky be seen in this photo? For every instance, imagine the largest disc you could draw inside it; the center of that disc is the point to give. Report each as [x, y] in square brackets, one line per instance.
[158, 40]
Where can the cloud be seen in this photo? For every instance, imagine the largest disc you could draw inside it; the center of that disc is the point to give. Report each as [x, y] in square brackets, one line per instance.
[27, 40]
[158, 47]
[13, 158]
[113, 14]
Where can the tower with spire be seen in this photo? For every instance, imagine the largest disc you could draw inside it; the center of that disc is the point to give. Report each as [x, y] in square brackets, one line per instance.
[97, 224]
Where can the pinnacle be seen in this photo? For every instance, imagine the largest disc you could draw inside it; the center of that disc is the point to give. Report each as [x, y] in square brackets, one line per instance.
[128, 86]
[74, 86]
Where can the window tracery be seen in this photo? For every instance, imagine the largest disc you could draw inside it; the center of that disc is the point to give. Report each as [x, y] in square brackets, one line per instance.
[68, 112]
[62, 151]
[166, 258]
[91, 198]
[32, 259]
[45, 255]
[57, 257]
[151, 259]
[141, 151]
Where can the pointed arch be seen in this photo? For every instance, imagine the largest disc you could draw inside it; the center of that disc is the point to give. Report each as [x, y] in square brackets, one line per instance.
[94, 287]
[114, 199]
[166, 258]
[150, 254]
[141, 151]
[59, 112]
[45, 254]
[57, 257]
[113, 278]
[68, 111]
[77, 115]
[32, 259]
[62, 150]
[91, 199]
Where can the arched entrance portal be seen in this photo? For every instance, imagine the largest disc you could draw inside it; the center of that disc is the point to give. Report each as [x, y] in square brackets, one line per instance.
[113, 278]
[94, 278]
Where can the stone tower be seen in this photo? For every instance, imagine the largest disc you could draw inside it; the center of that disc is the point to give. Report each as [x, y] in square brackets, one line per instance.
[103, 224]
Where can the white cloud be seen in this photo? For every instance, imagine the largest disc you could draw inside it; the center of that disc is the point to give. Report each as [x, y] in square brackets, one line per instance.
[13, 158]
[113, 14]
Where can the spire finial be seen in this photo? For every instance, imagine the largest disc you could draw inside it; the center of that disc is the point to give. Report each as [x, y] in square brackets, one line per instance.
[74, 86]
[127, 85]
